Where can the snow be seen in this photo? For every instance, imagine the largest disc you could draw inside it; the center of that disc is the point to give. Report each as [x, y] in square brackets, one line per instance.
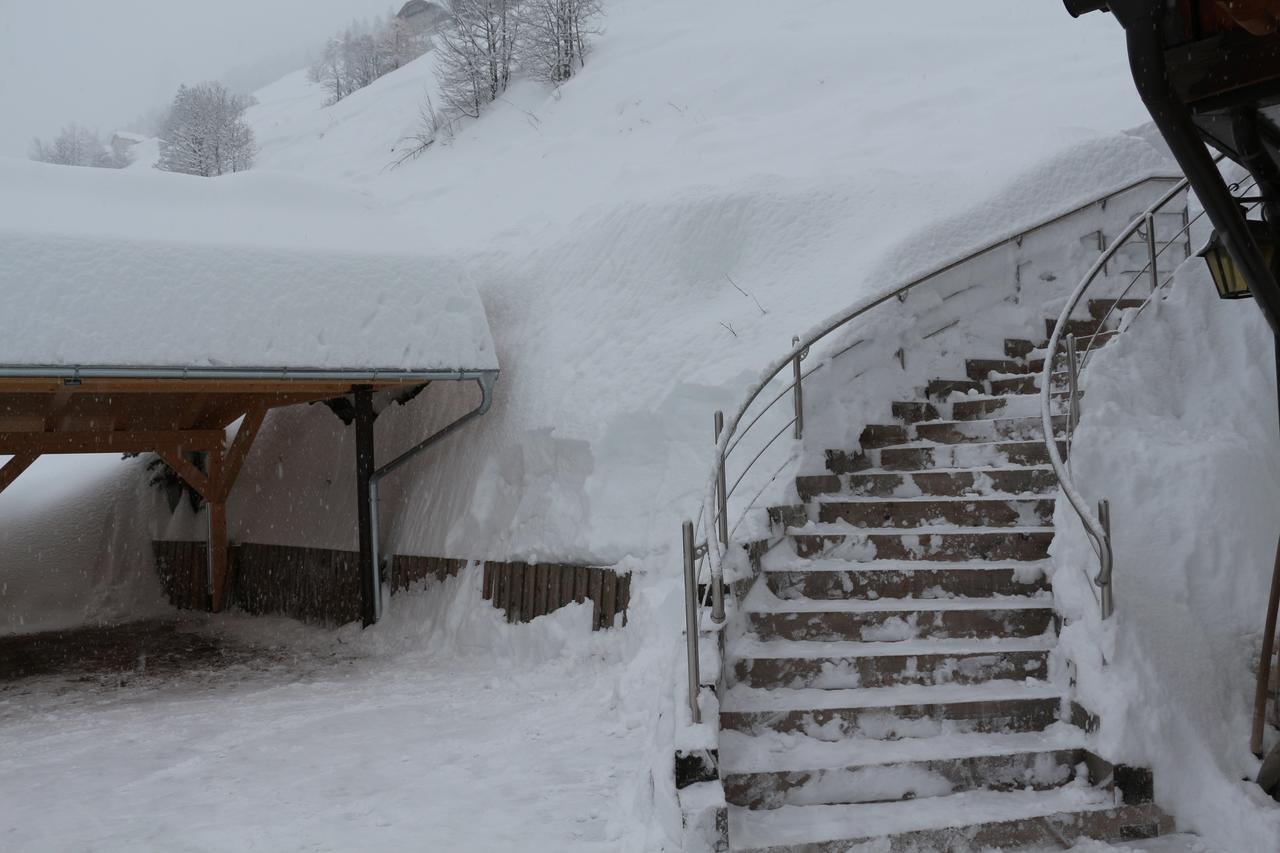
[813, 154]
[1183, 404]
[415, 735]
[120, 294]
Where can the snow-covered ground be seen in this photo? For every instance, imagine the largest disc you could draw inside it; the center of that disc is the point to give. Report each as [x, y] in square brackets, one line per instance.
[721, 176]
[402, 739]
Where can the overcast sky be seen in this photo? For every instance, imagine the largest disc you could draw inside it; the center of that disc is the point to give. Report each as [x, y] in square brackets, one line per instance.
[104, 62]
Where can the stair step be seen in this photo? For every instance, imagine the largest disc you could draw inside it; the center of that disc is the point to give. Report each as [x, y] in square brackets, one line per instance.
[1028, 383]
[977, 407]
[1098, 308]
[833, 665]
[892, 712]
[933, 543]
[1036, 359]
[922, 455]
[771, 770]
[1027, 428]
[919, 512]
[773, 618]
[880, 435]
[941, 389]
[954, 482]
[971, 820]
[981, 368]
[911, 412]
[1079, 328]
[1020, 347]
[899, 579]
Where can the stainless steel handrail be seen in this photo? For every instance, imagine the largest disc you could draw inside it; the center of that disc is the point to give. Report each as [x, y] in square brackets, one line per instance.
[1098, 527]
[714, 510]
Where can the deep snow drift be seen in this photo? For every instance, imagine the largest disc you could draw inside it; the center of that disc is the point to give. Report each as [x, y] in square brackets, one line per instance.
[170, 271]
[1179, 432]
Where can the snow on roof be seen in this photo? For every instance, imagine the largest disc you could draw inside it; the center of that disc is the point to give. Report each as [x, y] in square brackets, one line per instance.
[103, 267]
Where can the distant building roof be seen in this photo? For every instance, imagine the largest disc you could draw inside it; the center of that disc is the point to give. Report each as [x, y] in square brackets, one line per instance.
[417, 7]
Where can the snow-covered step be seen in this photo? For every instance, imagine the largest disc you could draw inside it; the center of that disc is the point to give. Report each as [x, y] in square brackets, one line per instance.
[978, 406]
[1029, 428]
[889, 619]
[1028, 383]
[927, 455]
[946, 482]
[926, 511]
[842, 664]
[971, 820]
[771, 770]
[892, 712]
[935, 543]
[835, 578]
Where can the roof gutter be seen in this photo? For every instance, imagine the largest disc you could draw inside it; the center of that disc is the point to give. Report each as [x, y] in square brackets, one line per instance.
[277, 374]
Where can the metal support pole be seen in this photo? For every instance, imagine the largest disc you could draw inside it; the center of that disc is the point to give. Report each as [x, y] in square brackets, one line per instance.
[691, 620]
[798, 389]
[1073, 389]
[369, 585]
[1151, 252]
[722, 498]
[1104, 576]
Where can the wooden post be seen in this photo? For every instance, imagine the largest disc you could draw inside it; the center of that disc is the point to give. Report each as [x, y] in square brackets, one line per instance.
[364, 471]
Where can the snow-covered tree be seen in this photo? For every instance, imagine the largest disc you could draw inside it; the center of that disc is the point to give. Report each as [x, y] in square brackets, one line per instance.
[363, 53]
[477, 50]
[205, 132]
[554, 36]
[76, 145]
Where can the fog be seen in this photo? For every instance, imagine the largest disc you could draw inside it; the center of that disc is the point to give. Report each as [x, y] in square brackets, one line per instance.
[106, 63]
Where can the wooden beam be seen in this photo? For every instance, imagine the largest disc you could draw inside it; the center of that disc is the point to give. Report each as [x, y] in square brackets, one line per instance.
[218, 546]
[15, 466]
[235, 456]
[58, 402]
[195, 478]
[369, 586]
[117, 441]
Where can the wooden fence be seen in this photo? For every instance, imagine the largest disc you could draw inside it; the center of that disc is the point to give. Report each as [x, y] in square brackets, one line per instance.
[322, 585]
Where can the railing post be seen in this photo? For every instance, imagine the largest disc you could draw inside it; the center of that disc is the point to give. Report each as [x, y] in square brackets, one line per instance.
[1151, 251]
[691, 619]
[799, 391]
[1073, 388]
[1107, 599]
[722, 499]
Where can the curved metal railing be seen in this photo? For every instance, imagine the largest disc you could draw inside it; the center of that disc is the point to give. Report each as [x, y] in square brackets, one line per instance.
[699, 555]
[1098, 526]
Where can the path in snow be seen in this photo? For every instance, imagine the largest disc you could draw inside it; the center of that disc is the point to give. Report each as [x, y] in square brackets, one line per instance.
[326, 751]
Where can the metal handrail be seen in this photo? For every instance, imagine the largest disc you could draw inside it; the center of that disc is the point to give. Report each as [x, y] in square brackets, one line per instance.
[1098, 527]
[714, 510]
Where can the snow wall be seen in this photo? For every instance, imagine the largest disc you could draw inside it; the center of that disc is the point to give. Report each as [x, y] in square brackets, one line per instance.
[1179, 432]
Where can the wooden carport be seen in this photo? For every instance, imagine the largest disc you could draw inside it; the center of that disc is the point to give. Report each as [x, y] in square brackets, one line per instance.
[173, 412]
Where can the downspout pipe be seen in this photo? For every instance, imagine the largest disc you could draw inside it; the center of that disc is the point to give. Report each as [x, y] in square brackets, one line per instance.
[1142, 23]
[486, 380]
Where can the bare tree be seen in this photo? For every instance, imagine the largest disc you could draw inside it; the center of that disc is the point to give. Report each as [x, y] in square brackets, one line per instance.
[363, 53]
[205, 132]
[76, 145]
[477, 50]
[433, 125]
[555, 32]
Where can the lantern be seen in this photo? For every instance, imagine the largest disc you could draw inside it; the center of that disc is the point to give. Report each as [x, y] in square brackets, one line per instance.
[1228, 278]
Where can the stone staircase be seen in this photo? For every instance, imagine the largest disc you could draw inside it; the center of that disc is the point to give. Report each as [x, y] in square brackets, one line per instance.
[892, 684]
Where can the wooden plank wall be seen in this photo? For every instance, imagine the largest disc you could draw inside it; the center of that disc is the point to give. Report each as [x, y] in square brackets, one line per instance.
[528, 590]
[313, 584]
[321, 585]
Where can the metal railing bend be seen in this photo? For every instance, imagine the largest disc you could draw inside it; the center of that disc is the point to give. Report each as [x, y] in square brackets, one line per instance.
[1097, 526]
[702, 552]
